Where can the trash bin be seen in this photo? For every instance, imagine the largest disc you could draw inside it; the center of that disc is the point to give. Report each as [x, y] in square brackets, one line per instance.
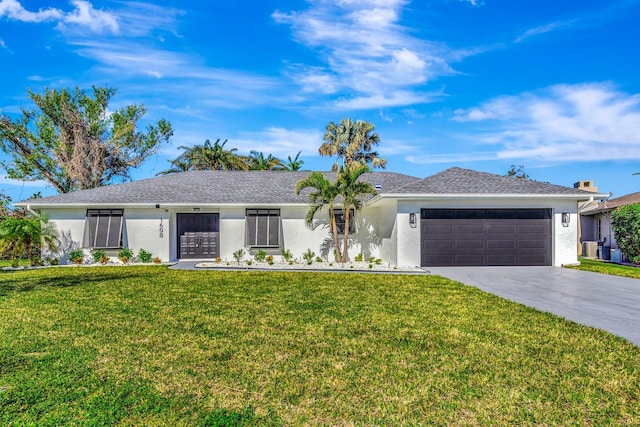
[606, 252]
[615, 255]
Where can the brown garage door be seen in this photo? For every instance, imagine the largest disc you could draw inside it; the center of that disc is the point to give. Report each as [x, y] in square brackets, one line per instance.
[468, 237]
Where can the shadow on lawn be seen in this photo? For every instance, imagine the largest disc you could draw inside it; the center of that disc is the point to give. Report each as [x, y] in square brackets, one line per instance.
[22, 283]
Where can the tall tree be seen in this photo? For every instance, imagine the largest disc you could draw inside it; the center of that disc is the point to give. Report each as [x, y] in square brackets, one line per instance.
[258, 161]
[323, 195]
[74, 141]
[352, 191]
[346, 189]
[294, 164]
[352, 143]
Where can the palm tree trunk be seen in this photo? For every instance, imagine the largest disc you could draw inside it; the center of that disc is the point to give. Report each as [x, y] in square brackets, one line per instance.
[345, 250]
[334, 231]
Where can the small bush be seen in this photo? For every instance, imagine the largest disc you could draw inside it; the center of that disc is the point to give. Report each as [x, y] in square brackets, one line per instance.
[52, 261]
[319, 259]
[218, 260]
[309, 256]
[157, 260]
[260, 255]
[359, 257]
[378, 261]
[287, 255]
[77, 256]
[144, 256]
[249, 262]
[238, 255]
[269, 259]
[100, 256]
[125, 255]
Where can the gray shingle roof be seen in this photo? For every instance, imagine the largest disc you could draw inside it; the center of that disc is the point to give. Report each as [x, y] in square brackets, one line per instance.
[212, 187]
[275, 187]
[465, 181]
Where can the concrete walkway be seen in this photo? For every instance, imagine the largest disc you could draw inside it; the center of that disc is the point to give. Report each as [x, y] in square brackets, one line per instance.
[606, 302]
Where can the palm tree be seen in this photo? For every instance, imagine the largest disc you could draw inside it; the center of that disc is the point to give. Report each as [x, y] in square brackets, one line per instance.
[352, 142]
[352, 192]
[207, 156]
[25, 234]
[324, 194]
[179, 164]
[257, 161]
[294, 164]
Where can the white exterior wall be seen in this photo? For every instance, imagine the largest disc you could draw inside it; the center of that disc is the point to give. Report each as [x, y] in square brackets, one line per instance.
[563, 251]
[70, 226]
[142, 231]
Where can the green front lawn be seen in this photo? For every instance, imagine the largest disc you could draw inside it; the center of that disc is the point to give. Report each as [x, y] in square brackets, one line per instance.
[153, 346]
[598, 266]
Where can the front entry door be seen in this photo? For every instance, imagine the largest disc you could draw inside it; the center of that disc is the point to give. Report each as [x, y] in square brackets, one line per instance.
[198, 235]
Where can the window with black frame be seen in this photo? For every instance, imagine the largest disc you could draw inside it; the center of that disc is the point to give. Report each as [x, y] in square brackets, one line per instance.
[103, 228]
[262, 228]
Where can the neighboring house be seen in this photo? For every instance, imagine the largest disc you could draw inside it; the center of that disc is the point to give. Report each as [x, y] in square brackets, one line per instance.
[455, 217]
[595, 222]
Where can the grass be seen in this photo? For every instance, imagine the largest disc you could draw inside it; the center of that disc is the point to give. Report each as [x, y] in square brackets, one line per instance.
[613, 269]
[153, 346]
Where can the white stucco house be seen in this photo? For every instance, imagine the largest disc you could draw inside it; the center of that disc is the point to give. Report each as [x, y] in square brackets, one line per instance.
[455, 217]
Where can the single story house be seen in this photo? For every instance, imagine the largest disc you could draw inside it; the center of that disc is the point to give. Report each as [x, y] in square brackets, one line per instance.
[455, 217]
[597, 237]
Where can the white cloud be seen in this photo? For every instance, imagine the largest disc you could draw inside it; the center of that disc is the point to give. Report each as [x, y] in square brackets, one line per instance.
[543, 29]
[83, 15]
[582, 122]
[279, 141]
[366, 52]
[4, 46]
[472, 2]
[13, 10]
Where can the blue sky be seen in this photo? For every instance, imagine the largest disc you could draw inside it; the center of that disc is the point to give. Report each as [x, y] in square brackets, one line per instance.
[480, 84]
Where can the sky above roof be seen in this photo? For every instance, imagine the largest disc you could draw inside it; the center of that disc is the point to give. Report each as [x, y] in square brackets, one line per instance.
[479, 84]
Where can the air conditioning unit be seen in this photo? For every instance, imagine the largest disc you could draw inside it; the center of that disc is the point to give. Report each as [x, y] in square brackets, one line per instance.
[590, 249]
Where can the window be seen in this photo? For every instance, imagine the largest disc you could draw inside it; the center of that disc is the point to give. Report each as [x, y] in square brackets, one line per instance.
[262, 228]
[339, 214]
[103, 228]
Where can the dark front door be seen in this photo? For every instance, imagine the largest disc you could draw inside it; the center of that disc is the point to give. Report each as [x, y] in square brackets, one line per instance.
[198, 235]
[468, 237]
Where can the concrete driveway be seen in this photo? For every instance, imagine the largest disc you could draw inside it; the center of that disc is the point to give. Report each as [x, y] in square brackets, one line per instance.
[605, 302]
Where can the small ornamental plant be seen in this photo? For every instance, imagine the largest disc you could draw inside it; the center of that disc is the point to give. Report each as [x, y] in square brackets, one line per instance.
[287, 255]
[309, 256]
[157, 260]
[238, 255]
[269, 259]
[260, 255]
[319, 259]
[125, 255]
[359, 257]
[77, 256]
[100, 256]
[218, 260]
[144, 256]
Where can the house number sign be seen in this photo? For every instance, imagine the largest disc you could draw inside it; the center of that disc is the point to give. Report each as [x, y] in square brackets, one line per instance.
[161, 229]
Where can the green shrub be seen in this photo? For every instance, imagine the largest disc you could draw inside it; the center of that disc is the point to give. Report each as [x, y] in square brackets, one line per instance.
[100, 256]
[144, 256]
[260, 255]
[238, 255]
[287, 255]
[309, 256]
[319, 259]
[625, 223]
[359, 257]
[125, 255]
[77, 256]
